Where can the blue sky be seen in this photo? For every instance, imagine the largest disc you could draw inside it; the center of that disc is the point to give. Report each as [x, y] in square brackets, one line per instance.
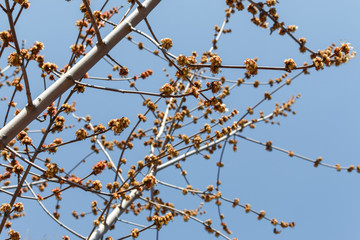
[323, 203]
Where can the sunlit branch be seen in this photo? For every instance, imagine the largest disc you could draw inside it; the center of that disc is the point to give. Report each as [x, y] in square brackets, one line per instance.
[93, 22]
[162, 126]
[137, 92]
[148, 50]
[111, 79]
[11, 194]
[202, 76]
[177, 187]
[132, 223]
[244, 67]
[109, 22]
[316, 162]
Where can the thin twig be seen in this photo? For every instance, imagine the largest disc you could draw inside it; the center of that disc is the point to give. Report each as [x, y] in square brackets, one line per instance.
[13, 33]
[92, 19]
[138, 92]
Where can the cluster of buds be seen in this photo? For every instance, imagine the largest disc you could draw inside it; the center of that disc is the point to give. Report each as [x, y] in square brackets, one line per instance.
[81, 134]
[171, 151]
[16, 83]
[215, 64]
[141, 117]
[149, 181]
[15, 59]
[191, 60]
[67, 108]
[153, 160]
[97, 185]
[124, 71]
[218, 105]
[24, 138]
[183, 73]
[105, 15]
[146, 74]
[6, 38]
[52, 170]
[118, 125]
[49, 67]
[99, 128]
[23, 3]
[261, 20]
[81, 23]
[251, 66]
[214, 86]
[99, 167]
[252, 9]
[135, 233]
[17, 168]
[166, 43]
[79, 88]
[329, 56]
[270, 3]
[51, 110]
[36, 48]
[5, 207]
[75, 179]
[185, 138]
[162, 220]
[181, 60]
[196, 141]
[52, 147]
[40, 59]
[57, 193]
[152, 106]
[14, 235]
[290, 64]
[78, 49]
[97, 15]
[317, 61]
[167, 89]
[206, 128]
[59, 124]
[302, 42]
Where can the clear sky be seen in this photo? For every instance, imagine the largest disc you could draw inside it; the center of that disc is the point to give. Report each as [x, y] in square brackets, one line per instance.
[323, 203]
